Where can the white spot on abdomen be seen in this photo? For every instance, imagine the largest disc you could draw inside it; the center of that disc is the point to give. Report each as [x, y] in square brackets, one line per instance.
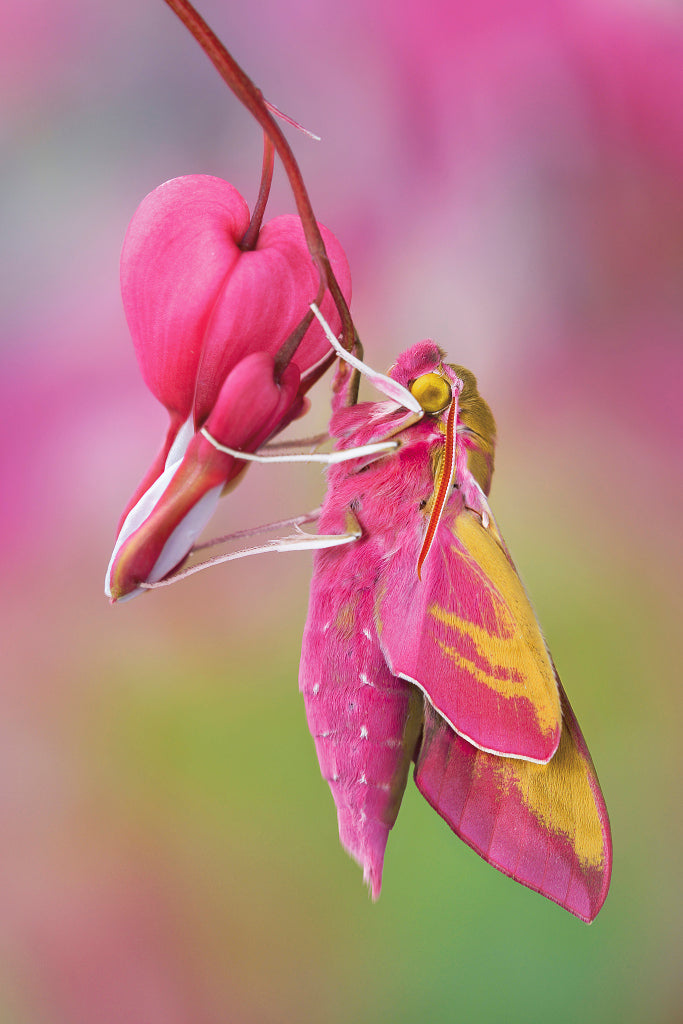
[363, 732]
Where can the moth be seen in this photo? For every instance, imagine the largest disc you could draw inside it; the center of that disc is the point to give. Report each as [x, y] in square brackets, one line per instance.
[421, 646]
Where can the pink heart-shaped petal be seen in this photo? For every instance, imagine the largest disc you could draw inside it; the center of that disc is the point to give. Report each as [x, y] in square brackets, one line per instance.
[181, 248]
[197, 304]
[268, 293]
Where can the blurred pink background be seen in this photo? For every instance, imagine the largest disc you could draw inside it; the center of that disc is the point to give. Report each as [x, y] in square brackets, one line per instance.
[507, 179]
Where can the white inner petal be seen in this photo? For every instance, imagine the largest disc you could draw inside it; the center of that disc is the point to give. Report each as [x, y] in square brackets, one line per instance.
[145, 504]
[185, 534]
[181, 442]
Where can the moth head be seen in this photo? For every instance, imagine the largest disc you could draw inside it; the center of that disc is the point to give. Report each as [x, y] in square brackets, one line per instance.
[433, 381]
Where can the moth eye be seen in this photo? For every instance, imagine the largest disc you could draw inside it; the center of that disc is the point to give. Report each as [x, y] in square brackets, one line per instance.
[432, 391]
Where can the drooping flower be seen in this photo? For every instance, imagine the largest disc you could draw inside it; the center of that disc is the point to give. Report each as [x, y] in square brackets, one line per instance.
[207, 318]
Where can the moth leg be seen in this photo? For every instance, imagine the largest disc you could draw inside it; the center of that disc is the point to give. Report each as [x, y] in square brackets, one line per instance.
[327, 458]
[385, 384]
[284, 447]
[251, 531]
[476, 500]
[297, 542]
[471, 492]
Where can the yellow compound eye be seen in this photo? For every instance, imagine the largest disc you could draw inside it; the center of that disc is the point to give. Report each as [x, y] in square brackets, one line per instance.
[432, 391]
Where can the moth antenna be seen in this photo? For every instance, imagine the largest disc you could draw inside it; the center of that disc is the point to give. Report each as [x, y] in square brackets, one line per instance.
[391, 388]
[327, 458]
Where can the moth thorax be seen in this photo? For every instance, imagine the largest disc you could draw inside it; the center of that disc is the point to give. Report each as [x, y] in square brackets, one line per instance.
[477, 419]
[432, 391]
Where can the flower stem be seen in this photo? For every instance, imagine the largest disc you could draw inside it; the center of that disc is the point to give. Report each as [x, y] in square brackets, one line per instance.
[250, 237]
[253, 100]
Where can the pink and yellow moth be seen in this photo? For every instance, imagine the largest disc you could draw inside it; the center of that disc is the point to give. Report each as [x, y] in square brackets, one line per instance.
[421, 646]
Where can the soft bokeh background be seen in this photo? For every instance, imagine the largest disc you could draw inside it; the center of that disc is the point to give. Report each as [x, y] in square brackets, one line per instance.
[506, 177]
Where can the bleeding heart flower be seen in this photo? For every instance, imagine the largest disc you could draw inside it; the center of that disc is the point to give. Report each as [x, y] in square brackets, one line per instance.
[207, 319]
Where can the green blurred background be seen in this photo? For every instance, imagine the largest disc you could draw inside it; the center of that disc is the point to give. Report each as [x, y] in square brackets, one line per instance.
[505, 178]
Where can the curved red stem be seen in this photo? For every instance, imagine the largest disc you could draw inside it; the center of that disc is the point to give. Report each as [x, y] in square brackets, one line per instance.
[252, 98]
[250, 237]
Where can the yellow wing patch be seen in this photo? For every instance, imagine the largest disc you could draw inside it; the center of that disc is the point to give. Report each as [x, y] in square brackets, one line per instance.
[506, 653]
[560, 796]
